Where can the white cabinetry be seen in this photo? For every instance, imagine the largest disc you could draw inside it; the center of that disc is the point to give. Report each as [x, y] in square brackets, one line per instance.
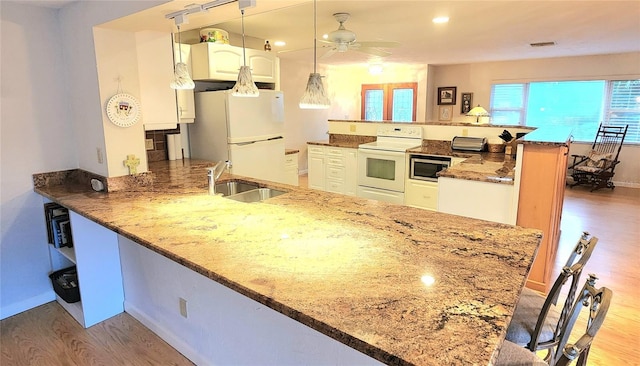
[213, 61]
[421, 194]
[291, 169]
[333, 169]
[479, 200]
[185, 97]
[316, 164]
[155, 73]
[96, 255]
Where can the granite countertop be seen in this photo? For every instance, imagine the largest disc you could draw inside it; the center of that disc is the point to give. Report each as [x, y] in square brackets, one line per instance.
[482, 167]
[347, 144]
[350, 268]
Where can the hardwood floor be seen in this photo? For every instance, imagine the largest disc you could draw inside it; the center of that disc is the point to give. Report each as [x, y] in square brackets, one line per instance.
[613, 217]
[48, 335]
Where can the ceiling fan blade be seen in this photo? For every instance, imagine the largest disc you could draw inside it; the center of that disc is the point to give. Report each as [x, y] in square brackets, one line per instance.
[372, 51]
[379, 44]
[328, 53]
[295, 50]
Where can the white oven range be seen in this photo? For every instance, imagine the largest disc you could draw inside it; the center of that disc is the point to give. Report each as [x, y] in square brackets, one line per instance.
[382, 163]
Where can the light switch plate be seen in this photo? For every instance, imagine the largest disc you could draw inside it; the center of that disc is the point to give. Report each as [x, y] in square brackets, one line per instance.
[148, 143]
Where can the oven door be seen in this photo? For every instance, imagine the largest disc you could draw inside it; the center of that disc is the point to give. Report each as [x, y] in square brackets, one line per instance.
[381, 169]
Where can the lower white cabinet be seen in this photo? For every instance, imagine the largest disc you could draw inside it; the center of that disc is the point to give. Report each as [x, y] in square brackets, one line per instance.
[479, 200]
[421, 194]
[315, 166]
[333, 169]
[291, 169]
[96, 256]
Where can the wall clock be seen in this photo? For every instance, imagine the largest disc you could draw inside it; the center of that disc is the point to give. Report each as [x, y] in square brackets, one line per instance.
[123, 110]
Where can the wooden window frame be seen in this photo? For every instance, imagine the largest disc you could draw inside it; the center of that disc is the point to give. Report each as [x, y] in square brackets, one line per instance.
[387, 92]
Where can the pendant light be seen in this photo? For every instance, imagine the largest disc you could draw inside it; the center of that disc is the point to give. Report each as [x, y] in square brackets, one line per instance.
[314, 96]
[181, 78]
[245, 87]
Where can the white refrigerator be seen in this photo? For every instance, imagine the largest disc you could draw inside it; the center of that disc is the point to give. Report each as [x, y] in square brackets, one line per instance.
[247, 131]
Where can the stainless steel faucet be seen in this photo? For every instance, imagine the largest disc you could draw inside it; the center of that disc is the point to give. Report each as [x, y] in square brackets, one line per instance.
[215, 172]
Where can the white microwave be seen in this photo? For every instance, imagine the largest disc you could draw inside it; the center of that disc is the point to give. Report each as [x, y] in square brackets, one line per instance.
[426, 167]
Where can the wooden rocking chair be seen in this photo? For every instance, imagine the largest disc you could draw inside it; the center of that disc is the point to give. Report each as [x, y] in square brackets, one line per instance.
[596, 169]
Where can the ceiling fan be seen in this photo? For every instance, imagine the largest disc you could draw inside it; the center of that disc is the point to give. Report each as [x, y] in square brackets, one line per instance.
[343, 40]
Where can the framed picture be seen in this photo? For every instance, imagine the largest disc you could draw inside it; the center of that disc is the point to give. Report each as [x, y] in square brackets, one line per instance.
[447, 95]
[467, 102]
[445, 113]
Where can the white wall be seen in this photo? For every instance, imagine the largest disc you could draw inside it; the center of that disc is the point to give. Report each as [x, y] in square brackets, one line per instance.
[36, 136]
[477, 78]
[345, 83]
[51, 120]
[116, 58]
[77, 21]
[301, 125]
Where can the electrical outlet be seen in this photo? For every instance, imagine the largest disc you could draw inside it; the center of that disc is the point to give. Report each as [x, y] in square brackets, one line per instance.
[148, 144]
[99, 153]
[183, 307]
[352, 128]
[465, 132]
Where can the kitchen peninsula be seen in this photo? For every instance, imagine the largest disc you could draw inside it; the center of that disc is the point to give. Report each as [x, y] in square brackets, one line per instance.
[400, 285]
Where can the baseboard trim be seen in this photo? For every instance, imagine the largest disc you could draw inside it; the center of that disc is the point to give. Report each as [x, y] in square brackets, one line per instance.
[165, 334]
[28, 304]
[626, 184]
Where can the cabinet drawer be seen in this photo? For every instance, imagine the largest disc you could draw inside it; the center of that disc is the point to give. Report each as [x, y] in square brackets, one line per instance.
[334, 172]
[334, 186]
[338, 161]
[421, 194]
[291, 160]
[335, 152]
[316, 150]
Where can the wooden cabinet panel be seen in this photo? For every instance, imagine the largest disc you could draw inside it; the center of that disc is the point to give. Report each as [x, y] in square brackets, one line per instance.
[540, 204]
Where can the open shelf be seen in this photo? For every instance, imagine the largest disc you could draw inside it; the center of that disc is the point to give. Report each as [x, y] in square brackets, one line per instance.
[68, 253]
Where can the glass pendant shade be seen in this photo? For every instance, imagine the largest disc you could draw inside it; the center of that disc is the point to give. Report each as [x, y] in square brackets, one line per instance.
[245, 87]
[181, 79]
[314, 96]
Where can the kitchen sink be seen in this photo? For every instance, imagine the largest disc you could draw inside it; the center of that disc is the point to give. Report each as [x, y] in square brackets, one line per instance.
[246, 192]
[256, 195]
[231, 188]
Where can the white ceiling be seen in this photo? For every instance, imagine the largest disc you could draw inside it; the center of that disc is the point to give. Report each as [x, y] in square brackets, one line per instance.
[478, 30]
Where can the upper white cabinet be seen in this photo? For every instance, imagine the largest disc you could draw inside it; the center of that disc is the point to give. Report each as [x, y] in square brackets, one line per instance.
[214, 61]
[185, 97]
[155, 73]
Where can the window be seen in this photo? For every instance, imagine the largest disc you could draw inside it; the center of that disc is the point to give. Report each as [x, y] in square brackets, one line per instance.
[581, 105]
[389, 102]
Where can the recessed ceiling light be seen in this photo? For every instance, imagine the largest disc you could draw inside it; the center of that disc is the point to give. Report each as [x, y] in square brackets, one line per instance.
[279, 43]
[542, 44]
[440, 20]
[325, 36]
